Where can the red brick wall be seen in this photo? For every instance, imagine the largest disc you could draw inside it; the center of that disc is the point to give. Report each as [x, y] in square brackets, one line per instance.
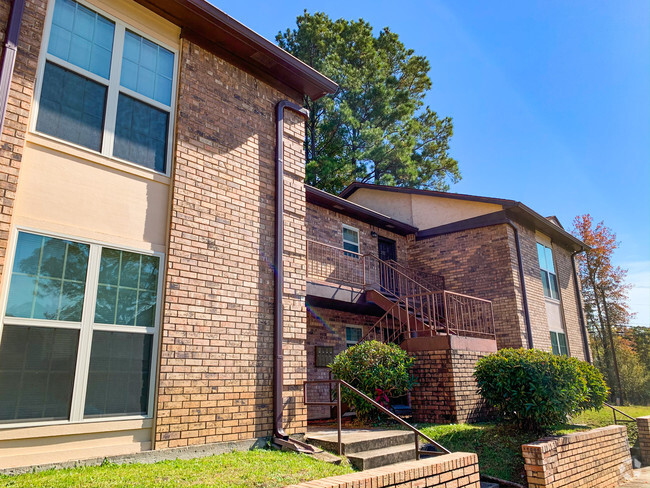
[324, 225]
[535, 292]
[456, 470]
[482, 263]
[16, 122]
[598, 458]
[534, 289]
[446, 390]
[326, 327]
[570, 305]
[217, 329]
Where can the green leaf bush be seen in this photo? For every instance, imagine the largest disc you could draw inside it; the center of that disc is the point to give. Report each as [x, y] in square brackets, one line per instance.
[537, 389]
[371, 366]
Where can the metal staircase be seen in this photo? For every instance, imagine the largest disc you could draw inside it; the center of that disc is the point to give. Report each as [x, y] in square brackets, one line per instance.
[415, 303]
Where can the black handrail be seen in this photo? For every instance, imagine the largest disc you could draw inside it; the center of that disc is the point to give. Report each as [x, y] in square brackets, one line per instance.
[381, 408]
[614, 410]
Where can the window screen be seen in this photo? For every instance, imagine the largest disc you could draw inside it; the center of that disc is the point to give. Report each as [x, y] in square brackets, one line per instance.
[37, 366]
[118, 380]
[71, 107]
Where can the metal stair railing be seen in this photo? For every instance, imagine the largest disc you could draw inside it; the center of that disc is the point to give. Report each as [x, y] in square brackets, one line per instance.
[433, 313]
[339, 383]
[432, 281]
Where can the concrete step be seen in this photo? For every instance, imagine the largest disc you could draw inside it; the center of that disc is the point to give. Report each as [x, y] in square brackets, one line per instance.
[376, 458]
[359, 440]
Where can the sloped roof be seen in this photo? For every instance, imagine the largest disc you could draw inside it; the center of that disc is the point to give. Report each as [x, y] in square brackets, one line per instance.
[512, 209]
[359, 212]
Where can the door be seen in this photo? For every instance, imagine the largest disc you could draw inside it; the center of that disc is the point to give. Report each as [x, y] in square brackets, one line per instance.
[387, 251]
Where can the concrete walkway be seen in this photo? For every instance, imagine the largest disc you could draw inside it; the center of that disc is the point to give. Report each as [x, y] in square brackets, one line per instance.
[641, 479]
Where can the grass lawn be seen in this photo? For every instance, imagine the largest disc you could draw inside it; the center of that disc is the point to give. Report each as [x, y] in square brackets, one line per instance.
[498, 445]
[256, 469]
[603, 417]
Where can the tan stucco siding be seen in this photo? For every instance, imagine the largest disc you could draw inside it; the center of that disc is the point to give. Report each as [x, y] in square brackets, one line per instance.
[421, 211]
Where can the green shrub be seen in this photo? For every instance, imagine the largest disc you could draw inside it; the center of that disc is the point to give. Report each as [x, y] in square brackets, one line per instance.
[596, 390]
[537, 389]
[373, 368]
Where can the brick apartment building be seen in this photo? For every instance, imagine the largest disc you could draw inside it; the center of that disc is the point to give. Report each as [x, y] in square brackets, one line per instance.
[446, 260]
[139, 244]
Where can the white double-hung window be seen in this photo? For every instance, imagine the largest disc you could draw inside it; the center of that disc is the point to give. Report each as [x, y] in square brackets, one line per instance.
[78, 332]
[547, 270]
[106, 87]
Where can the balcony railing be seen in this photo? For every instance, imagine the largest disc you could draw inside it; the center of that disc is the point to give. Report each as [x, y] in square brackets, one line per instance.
[421, 307]
[429, 314]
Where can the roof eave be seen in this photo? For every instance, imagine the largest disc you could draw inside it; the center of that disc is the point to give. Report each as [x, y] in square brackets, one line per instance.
[249, 50]
[359, 212]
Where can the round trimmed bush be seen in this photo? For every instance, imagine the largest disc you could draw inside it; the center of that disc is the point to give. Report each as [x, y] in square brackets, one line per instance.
[376, 369]
[538, 389]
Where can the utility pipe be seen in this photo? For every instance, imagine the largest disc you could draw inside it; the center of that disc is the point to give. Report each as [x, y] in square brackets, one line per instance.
[9, 55]
[529, 329]
[278, 367]
[583, 321]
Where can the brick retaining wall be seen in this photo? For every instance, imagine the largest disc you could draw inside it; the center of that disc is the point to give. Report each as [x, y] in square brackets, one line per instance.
[643, 423]
[596, 458]
[457, 470]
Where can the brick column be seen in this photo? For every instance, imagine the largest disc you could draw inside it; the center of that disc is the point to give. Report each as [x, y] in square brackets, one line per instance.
[12, 139]
[643, 423]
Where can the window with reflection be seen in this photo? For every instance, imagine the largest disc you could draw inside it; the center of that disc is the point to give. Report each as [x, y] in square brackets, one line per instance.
[105, 87]
[547, 269]
[55, 327]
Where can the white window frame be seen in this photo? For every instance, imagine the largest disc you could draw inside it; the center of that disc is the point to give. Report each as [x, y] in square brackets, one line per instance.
[345, 241]
[113, 87]
[86, 328]
[557, 280]
[351, 343]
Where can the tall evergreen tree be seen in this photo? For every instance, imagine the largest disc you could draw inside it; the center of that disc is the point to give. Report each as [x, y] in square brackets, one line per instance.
[376, 128]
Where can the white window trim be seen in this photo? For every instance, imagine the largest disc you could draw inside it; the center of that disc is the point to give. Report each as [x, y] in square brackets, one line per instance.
[549, 245]
[345, 241]
[352, 343]
[113, 87]
[86, 327]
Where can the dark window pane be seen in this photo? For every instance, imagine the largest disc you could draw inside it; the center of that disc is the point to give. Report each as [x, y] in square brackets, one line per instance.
[141, 133]
[554, 344]
[71, 107]
[545, 283]
[37, 366]
[118, 381]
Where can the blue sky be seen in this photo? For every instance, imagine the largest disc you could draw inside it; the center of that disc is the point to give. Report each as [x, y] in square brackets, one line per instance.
[550, 101]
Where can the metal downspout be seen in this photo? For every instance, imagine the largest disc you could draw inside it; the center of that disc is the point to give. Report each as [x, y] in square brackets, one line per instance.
[529, 330]
[583, 321]
[278, 376]
[9, 55]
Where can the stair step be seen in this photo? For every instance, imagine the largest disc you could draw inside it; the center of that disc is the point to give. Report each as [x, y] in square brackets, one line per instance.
[382, 457]
[360, 440]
